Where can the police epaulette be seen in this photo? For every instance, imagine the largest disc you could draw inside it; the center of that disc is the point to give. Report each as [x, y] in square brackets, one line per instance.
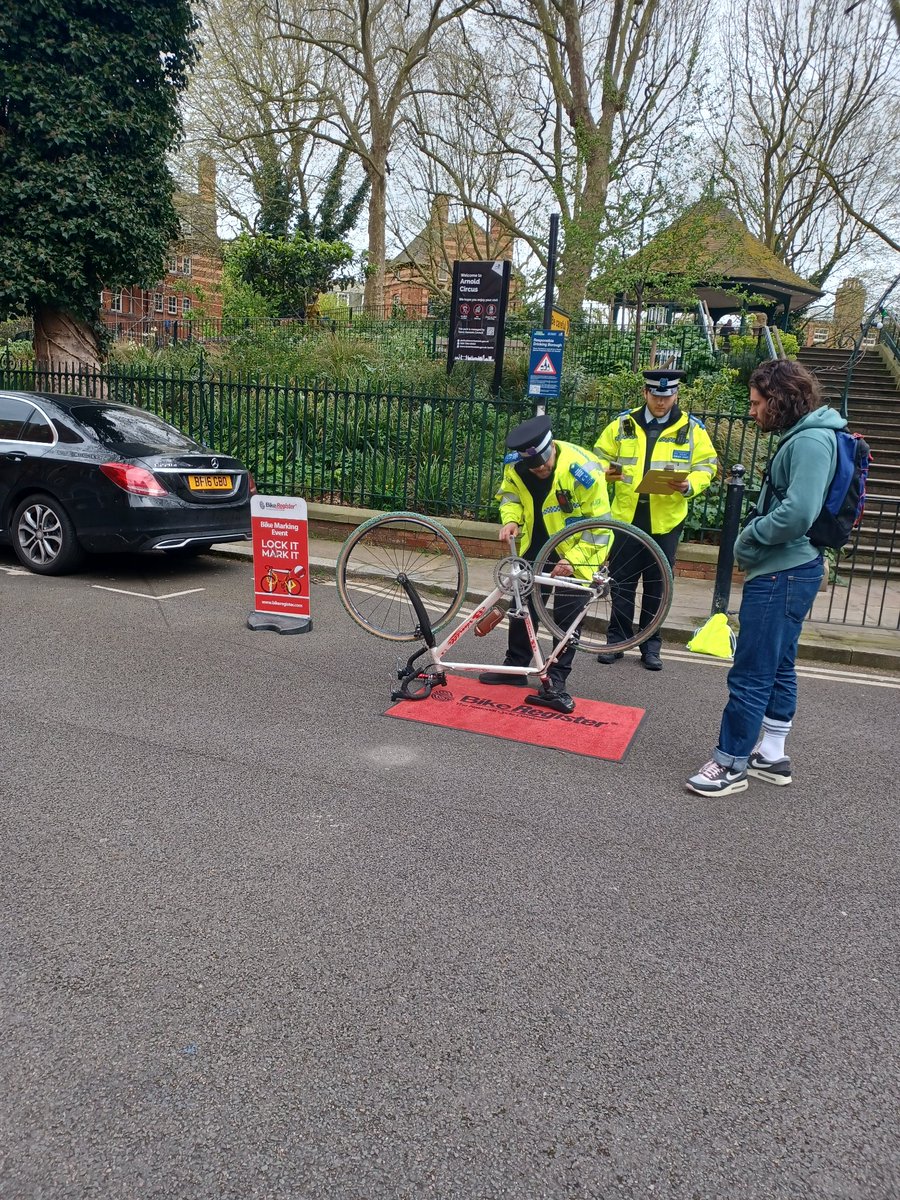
[510, 458]
[696, 421]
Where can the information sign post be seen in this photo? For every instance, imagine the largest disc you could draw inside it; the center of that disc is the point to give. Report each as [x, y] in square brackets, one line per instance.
[280, 565]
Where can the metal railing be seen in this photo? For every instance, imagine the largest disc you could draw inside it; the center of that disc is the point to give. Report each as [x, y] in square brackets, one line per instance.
[376, 448]
[890, 336]
[864, 579]
[593, 347]
[373, 446]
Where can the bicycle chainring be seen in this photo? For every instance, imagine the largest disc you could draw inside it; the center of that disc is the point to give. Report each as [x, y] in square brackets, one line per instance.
[508, 569]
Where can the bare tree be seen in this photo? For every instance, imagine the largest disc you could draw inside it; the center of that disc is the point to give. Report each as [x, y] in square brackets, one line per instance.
[252, 104]
[602, 84]
[806, 151]
[452, 149]
[368, 55]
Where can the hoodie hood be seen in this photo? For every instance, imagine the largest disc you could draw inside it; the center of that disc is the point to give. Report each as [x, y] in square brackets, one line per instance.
[823, 417]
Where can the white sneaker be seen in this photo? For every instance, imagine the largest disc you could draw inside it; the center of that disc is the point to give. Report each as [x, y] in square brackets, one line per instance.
[715, 780]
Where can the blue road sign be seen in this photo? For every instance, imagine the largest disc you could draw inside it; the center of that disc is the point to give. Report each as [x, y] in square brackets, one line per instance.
[545, 364]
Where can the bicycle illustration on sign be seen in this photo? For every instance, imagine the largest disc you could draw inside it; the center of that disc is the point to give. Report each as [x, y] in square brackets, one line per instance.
[288, 581]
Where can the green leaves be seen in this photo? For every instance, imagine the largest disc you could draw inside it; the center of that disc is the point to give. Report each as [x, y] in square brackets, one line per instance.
[287, 272]
[88, 96]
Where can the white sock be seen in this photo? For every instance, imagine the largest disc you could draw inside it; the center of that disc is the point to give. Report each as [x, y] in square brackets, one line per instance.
[771, 744]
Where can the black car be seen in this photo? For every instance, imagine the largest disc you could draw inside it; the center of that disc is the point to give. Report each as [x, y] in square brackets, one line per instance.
[82, 475]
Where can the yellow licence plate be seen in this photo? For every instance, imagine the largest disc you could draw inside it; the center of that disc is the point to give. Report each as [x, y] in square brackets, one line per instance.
[209, 483]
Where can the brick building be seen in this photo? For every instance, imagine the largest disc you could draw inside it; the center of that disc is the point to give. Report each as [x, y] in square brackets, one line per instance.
[192, 284]
[841, 330]
[422, 272]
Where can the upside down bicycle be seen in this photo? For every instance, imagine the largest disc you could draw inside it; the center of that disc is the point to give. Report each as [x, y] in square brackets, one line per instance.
[403, 577]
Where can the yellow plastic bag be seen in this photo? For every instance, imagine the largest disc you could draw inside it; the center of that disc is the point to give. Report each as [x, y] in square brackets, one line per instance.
[716, 637]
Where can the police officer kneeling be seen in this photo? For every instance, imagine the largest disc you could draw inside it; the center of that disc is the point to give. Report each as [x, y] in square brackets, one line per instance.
[546, 485]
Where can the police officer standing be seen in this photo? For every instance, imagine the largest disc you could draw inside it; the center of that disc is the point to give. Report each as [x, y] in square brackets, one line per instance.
[546, 485]
[656, 436]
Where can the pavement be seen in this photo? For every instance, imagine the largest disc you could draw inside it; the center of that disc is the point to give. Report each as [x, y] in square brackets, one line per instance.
[832, 641]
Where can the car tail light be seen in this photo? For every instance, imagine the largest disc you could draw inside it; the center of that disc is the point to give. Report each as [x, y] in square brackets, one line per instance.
[137, 480]
[252, 483]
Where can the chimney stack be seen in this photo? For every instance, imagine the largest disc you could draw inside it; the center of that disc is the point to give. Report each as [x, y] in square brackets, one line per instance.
[440, 211]
[206, 178]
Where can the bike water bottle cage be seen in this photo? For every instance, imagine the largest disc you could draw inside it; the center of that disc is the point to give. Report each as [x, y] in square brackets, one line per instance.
[564, 500]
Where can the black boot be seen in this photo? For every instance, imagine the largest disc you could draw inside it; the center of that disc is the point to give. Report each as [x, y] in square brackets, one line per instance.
[553, 695]
[610, 656]
[651, 661]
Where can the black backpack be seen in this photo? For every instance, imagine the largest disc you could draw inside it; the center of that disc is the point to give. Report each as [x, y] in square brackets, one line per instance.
[845, 498]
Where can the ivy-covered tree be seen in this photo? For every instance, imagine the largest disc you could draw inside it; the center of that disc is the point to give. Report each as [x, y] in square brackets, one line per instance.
[88, 111]
[288, 272]
[335, 216]
[277, 205]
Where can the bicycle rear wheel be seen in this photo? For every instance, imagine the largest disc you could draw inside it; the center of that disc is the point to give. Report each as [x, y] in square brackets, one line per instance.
[607, 555]
[378, 552]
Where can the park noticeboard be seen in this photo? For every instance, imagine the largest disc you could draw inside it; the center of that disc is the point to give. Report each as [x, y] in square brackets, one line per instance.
[478, 313]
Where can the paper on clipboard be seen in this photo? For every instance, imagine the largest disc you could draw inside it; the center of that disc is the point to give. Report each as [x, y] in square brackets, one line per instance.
[656, 483]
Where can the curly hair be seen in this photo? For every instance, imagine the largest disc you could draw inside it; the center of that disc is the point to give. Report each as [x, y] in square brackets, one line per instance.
[791, 391]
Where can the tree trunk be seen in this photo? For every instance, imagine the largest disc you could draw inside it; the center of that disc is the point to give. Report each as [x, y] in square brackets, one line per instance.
[576, 262]
[373, 297]
[581, 233]
[62, 343]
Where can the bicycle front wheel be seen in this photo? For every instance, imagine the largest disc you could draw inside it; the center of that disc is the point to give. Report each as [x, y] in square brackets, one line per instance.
[611, 559]
[374, 557]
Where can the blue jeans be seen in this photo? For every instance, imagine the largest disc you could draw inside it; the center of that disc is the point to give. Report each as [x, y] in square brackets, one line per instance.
[762, 682]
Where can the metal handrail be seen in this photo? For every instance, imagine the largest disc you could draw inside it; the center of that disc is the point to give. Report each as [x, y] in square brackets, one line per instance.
[770, 345]
[706, 324]
[779, 344]
[890, 337]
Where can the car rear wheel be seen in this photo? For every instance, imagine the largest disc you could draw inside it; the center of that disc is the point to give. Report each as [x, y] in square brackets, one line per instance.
[44, 538]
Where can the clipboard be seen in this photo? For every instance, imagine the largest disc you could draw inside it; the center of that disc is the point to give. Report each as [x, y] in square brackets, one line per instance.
[655, 483]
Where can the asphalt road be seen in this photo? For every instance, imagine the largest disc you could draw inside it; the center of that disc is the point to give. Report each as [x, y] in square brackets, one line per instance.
[262, 941]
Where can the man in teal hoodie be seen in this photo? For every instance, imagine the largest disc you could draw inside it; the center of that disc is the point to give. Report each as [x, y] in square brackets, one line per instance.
[783, 571]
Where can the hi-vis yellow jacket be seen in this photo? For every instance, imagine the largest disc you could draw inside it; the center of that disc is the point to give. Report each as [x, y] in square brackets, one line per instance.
[683, 443]
[579, 482]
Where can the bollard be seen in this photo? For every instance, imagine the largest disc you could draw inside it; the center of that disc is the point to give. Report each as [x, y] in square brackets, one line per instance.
[731, 523]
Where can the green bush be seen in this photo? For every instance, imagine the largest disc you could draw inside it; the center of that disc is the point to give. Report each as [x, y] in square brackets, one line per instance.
[20, 352]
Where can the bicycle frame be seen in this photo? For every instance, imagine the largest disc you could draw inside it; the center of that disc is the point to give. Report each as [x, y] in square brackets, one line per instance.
[435, 662]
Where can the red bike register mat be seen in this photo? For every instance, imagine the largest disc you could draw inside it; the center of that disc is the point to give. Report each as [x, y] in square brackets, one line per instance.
[594, 729]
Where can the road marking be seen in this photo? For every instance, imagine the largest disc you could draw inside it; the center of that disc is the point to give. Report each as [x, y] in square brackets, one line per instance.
[15, 570]
[825, 674]
[146, 595]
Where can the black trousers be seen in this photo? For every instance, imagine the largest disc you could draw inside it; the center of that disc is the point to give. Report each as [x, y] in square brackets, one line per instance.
[630, 564]
[566, 607]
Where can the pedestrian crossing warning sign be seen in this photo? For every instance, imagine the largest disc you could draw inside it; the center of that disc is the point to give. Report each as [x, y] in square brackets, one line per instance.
[545, 366]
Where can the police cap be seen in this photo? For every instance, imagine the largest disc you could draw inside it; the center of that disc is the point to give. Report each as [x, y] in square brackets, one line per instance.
[532, 441]
[664, 382]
